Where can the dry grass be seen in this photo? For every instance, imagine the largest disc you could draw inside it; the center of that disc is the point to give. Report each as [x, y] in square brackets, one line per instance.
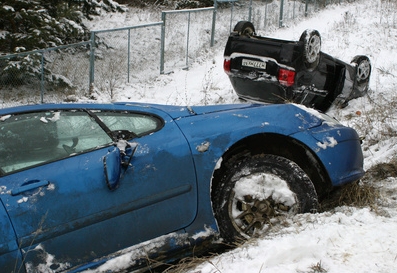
[364, 193]
[358, 194]
[382, 170]
[317, 268]
[191, 262]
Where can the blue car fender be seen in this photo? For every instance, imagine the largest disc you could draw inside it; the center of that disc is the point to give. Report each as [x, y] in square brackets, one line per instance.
[210, 135]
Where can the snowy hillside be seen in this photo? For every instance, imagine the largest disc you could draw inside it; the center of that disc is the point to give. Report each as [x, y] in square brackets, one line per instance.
[347, 238]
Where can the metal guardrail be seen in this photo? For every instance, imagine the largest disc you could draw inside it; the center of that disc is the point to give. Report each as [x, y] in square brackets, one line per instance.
[95, 33]
[37, 73]
[189, 12]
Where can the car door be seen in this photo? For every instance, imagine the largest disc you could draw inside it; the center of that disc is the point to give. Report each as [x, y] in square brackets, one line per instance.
[10, 256]
[68, 208]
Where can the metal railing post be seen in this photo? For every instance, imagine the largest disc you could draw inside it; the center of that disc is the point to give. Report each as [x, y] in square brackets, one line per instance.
[187, 41]
[265, 23]
[231, 17]
[162, 46]
[280, 24]
[42, 78]
[213, 23]
[92, 60]
[293, 11]
[129, 55]
[306, 7]
[250, 11]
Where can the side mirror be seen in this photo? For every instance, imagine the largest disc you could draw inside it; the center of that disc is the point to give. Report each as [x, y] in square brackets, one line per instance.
[112, 168]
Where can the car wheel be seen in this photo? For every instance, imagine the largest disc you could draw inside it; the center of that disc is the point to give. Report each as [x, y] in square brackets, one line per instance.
[363, 68]
[311, 47]
[244, 28]
[258, 192]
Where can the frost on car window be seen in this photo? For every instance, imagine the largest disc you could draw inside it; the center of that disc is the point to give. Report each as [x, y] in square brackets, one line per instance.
[35, 138]
[137, 123]
[80, 127]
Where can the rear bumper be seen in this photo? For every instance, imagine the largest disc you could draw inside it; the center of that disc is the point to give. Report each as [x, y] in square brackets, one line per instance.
[268, 91]
[271, 91]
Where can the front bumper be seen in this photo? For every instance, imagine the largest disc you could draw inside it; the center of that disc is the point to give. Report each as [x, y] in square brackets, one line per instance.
[339, 150]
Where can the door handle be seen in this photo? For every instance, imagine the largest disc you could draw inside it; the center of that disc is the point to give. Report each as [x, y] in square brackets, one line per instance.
[28, 186]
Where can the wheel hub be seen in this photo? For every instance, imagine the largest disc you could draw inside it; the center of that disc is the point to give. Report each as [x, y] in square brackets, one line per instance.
[255, 214]
[363, 70]
[313, 49]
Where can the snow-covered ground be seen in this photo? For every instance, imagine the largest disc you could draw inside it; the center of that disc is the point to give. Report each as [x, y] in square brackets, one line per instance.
[346, 239]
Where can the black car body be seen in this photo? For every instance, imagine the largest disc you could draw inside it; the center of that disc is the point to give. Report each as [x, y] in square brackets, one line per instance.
[275, 71]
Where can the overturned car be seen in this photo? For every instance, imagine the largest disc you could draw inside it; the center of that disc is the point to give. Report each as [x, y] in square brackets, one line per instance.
[275, 71]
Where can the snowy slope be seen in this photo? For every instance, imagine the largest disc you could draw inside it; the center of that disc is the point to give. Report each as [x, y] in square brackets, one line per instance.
[347, 239]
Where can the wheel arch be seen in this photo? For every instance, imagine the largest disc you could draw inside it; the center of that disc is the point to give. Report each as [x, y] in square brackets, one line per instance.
[280, 145]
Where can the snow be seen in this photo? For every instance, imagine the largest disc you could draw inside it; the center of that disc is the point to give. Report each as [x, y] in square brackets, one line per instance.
[330, 142]
[262, 186]
[56, 116]
[346, 239]
[3, 118]
[349, 240]
[44, 120]
[203, 147]
[8, 8]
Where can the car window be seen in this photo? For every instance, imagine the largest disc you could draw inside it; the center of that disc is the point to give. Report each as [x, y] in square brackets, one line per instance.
[136, 123]
[35, 138]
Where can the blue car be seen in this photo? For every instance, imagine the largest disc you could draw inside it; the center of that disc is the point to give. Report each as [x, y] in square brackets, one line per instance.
[84, 183]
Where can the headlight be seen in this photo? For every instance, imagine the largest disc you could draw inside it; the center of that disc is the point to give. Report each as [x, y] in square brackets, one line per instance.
[328, 119]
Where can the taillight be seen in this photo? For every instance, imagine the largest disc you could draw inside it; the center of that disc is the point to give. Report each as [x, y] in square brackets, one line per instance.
[286, 77]
[226, 65]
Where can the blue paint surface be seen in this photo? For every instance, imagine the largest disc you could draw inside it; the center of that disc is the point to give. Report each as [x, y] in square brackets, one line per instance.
[83, 205]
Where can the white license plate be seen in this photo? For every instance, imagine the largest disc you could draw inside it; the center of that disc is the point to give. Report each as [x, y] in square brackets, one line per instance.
[254, 64]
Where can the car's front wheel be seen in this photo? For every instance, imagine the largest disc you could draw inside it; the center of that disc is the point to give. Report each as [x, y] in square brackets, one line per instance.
[258, 192]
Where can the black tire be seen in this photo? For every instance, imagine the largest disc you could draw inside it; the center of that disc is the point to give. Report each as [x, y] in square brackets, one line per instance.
[244, 28]
[311, 48]
[363, 68]
[244, 209]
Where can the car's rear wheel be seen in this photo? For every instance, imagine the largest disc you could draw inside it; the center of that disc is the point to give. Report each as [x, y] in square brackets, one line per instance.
[259, 192]
[311, 47]
[244, 28]
[363, 68]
